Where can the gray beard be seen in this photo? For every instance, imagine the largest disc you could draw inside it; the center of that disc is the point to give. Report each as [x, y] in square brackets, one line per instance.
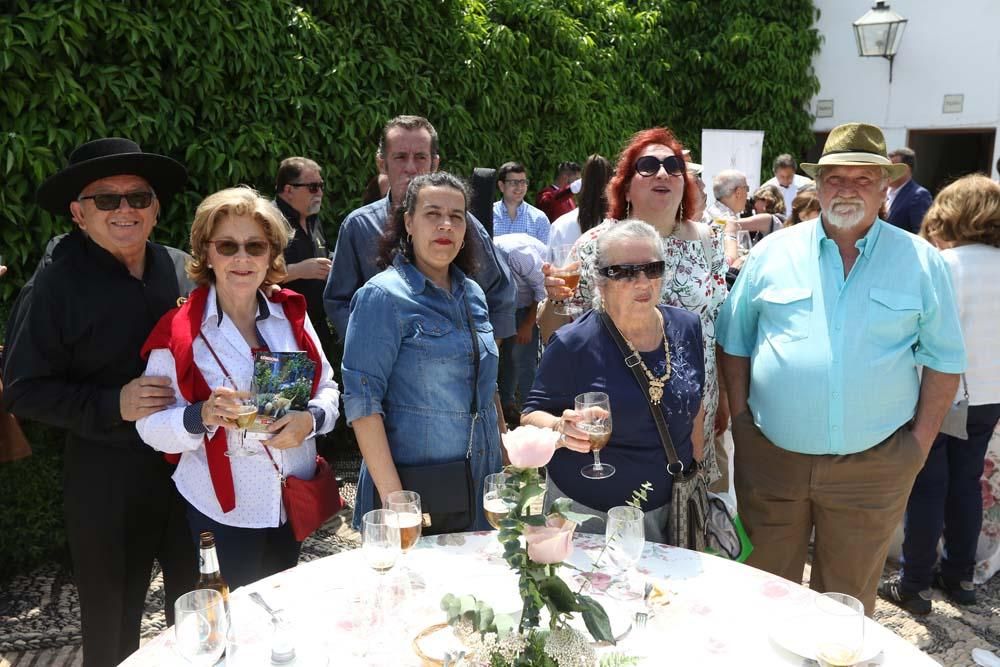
[844, 221]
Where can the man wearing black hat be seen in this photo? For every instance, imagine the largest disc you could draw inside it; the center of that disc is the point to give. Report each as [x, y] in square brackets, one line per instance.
[74, 364]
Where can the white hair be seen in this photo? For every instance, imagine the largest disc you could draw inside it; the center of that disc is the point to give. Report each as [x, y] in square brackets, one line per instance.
[726, 182]
[626, 230]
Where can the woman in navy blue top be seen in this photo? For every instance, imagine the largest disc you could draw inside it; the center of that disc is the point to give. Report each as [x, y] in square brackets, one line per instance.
[583, 357]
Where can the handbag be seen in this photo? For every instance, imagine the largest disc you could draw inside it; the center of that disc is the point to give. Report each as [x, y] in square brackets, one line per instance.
[955, 421]
[697, 520]
[447, 495]
[308, 502]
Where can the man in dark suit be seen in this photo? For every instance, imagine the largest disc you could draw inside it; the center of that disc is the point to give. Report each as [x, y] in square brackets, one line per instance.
[906, 201]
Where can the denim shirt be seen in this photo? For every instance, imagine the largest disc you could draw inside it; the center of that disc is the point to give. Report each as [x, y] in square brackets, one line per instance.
[408, 357]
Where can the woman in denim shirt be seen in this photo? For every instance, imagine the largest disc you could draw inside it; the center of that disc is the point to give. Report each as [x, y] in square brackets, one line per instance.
[408, 368]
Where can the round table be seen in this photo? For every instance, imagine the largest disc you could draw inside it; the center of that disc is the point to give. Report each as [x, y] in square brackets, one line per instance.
[718, 612]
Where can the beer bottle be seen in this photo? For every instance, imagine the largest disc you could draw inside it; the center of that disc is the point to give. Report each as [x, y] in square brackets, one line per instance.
[210, 575]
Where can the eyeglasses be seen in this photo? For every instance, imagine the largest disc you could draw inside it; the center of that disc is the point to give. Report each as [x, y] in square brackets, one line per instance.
[110, 201]
[228, 247]
[653, 270]
[313, 187]
[648, 165]
[517, 183]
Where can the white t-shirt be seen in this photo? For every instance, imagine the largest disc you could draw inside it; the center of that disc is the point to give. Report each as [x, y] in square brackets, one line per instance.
[977, 294]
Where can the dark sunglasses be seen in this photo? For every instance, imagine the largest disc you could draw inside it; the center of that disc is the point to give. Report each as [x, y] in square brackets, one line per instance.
[648, 165]
[653, 270]
[313, 187]
[111, 201]
[228, 248]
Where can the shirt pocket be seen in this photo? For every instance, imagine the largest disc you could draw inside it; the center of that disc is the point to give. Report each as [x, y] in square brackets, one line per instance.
[786, 312]
[893, 317]
[439, 340]
[487, 341]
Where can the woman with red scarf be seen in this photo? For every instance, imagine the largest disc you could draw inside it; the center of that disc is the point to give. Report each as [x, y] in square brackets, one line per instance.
[237, 239]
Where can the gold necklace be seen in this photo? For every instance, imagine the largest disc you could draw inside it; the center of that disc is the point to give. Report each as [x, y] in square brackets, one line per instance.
[655, 383]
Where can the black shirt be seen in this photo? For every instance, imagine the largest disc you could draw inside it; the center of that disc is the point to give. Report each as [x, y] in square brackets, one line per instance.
[306, 244]
[78, 342]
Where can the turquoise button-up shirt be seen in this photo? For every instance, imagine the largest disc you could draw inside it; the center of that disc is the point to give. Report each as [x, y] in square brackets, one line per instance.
[833, 361]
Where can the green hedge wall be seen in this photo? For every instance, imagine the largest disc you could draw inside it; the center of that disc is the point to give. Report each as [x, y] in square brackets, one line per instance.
[229, 87]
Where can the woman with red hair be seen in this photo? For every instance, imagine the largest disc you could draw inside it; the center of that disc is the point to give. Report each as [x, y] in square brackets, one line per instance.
[651, 183]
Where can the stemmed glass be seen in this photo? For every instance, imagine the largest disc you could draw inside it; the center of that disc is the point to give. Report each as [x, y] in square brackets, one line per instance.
[744, 242]
[569, 272]
[841, 635]
[380, 539]
[495, 507]
[625, 536]
[595, 408]
[247, 413]
[201, 626]
[406, 505]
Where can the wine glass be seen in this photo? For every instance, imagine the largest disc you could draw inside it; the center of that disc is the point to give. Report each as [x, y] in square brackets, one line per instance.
[406, 505]
[380, 539]
[744, 242]
[841, 633]
[569, 271]
[245, 416]
[595, 407]
[495, 507]
[200, 626]
[625, 537]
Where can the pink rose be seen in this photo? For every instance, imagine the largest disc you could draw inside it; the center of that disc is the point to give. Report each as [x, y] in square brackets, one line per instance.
[530, 446]
[551, 543]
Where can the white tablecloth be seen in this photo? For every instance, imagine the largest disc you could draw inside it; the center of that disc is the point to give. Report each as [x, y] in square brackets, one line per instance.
[720, 613]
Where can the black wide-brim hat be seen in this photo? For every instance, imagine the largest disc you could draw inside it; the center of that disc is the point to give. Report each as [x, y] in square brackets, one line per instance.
[113, 156]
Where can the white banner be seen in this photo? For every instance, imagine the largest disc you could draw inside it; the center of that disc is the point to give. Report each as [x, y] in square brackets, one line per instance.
[731, 149]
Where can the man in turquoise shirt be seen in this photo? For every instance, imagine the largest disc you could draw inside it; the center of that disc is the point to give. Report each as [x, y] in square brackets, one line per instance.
[841, 349]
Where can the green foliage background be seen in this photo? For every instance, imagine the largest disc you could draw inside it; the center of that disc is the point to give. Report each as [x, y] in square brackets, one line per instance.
[229, 87]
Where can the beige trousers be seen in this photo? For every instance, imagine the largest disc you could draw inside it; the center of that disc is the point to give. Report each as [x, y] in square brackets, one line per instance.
[853, 501]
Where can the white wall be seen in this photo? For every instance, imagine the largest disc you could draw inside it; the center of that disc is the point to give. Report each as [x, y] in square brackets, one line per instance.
[949, 47]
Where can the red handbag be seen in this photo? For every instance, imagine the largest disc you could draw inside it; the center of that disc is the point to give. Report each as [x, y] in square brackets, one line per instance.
[309, 502]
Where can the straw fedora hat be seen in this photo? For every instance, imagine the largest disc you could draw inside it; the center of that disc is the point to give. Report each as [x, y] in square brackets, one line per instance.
[101, 158]
[855, 145]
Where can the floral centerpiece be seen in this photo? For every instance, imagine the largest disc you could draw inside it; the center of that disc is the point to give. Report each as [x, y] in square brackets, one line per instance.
[503, 640]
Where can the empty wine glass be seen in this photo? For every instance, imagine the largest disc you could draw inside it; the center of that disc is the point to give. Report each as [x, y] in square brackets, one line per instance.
[841, 633]
[200, 626]
[625, 537]
[380, 539]
[595, 407]
[744, 242]
[569, 271]
[245, 416]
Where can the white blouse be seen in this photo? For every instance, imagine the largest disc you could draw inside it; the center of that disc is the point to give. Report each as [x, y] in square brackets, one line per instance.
[258, 490]
[977, 293]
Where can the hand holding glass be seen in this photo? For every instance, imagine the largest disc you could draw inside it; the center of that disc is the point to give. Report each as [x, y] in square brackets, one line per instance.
[200, 626]
[594, 408]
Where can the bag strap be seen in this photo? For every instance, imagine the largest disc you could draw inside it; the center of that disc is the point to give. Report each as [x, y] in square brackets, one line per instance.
[632, 361]
[474, 406]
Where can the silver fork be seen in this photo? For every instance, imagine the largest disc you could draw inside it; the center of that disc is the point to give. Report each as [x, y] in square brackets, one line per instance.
[639, 622]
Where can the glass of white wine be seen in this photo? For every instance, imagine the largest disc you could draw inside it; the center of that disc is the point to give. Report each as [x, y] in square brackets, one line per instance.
[595, 407]
[247, 413]
[840, 637]
[200, 626]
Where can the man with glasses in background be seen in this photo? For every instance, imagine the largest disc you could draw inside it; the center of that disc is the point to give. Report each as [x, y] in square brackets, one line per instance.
[513, 215]
[73, 363]
[298, 193]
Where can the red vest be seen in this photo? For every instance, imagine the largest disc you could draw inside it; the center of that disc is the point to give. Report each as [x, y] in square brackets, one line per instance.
[176, 332]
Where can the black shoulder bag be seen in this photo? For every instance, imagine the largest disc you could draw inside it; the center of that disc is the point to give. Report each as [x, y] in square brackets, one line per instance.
[447, 496]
